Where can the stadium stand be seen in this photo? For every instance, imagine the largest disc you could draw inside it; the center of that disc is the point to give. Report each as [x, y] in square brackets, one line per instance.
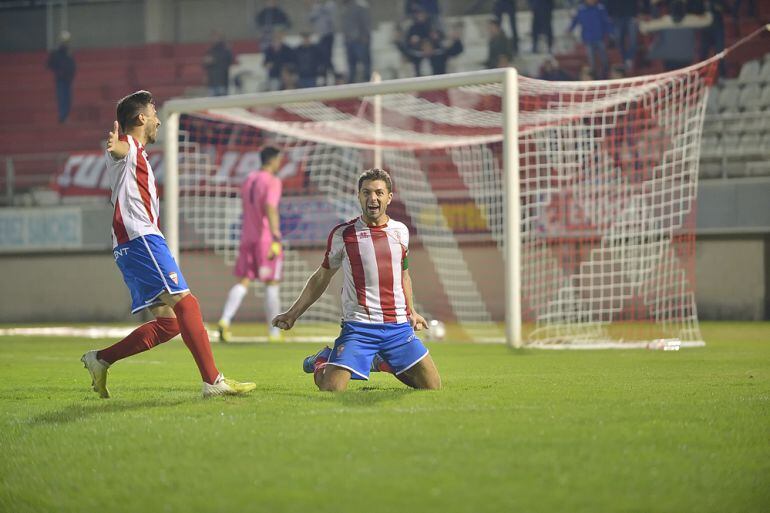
[33, 145]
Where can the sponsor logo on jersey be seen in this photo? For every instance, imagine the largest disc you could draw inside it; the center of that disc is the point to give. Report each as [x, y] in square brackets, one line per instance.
[117, 253]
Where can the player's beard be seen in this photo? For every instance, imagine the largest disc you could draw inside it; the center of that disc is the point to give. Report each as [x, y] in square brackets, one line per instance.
[151, 134]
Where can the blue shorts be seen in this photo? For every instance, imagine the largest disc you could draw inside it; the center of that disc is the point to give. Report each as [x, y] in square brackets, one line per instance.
[149, 270]
[358, 342]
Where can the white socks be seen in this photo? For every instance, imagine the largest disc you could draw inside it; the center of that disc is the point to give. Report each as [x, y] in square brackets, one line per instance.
[234, 298]
[272, 307]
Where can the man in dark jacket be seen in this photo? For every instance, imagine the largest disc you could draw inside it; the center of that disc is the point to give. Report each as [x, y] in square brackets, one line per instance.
[62, 64]
[217, 63]
[542, 16]
[497, 46]
[269, 20]
[713, 36]
[623, 14]
[309, 60]
[356, 26]
[508, 7]
[277, 56]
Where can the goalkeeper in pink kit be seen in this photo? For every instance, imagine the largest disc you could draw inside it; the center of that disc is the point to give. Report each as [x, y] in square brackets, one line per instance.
[260, 256]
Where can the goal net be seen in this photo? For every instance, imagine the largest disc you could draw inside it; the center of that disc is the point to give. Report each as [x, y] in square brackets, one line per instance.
[604, 178]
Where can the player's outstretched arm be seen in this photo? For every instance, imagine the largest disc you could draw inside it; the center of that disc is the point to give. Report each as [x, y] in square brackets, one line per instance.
[418, 321]
[117, 148]
[314, 287]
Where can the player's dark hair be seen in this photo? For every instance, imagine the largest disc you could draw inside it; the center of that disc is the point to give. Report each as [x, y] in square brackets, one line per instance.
[131, 106]
[268, 153]
[375, 174]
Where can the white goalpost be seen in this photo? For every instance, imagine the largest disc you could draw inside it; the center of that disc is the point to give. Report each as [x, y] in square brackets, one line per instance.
[545, 214]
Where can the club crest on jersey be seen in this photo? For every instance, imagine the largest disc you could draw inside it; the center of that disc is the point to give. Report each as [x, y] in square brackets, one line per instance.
[340, 349]
[174, 278]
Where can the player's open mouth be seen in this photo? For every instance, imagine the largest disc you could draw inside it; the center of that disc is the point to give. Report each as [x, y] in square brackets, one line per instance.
[373, 208]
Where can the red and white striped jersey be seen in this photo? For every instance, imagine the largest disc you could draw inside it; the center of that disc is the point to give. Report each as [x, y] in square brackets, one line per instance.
[134, 194]
[372, 259]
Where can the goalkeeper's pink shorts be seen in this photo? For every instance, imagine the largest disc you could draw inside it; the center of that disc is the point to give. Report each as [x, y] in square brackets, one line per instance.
[253, 262]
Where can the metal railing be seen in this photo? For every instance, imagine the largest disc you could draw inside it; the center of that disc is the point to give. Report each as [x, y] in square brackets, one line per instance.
[26, 176]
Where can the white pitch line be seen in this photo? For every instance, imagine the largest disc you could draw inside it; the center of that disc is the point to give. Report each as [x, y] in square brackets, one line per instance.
[98, 332]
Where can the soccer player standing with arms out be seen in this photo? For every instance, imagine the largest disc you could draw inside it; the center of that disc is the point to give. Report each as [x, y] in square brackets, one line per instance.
[260, 256]
[149, 270]
[378, 311]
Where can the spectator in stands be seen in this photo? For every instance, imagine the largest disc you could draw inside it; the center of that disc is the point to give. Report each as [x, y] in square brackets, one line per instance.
[277, 55]
[309, 62]
[752, 12]
[595, 26]
[269, 20]
[410, 50]
[586, 74]
[62, 64]
[322, 17]
[498, 46]
[551, 70]
[623, 14]
[217, 63]
[420, 26]
[438, 51]
[713, 36]
[357, 30]
[289, 77]
[418, 32]
[617, 72]
[431, 7]
[508, 7]
[675, 33]
[542, 15]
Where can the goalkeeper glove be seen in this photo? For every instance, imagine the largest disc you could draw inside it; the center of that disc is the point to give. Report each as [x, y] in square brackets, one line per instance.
[275, 249]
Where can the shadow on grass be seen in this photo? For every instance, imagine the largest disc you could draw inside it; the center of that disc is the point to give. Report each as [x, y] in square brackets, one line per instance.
[521, 351]
[364, 396]
[369, 395]
[84, 410]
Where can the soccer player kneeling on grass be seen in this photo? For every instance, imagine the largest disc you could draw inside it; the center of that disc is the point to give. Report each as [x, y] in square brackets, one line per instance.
[149, 270]
[378, 318]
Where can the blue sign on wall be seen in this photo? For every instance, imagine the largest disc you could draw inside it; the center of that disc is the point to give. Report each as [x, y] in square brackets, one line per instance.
[40, 229]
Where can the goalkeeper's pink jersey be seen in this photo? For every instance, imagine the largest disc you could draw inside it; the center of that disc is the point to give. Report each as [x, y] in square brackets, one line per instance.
[259, 190]
[372, 259]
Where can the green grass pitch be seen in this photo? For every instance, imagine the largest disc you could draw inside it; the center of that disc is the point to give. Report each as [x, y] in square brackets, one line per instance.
[528, 431]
